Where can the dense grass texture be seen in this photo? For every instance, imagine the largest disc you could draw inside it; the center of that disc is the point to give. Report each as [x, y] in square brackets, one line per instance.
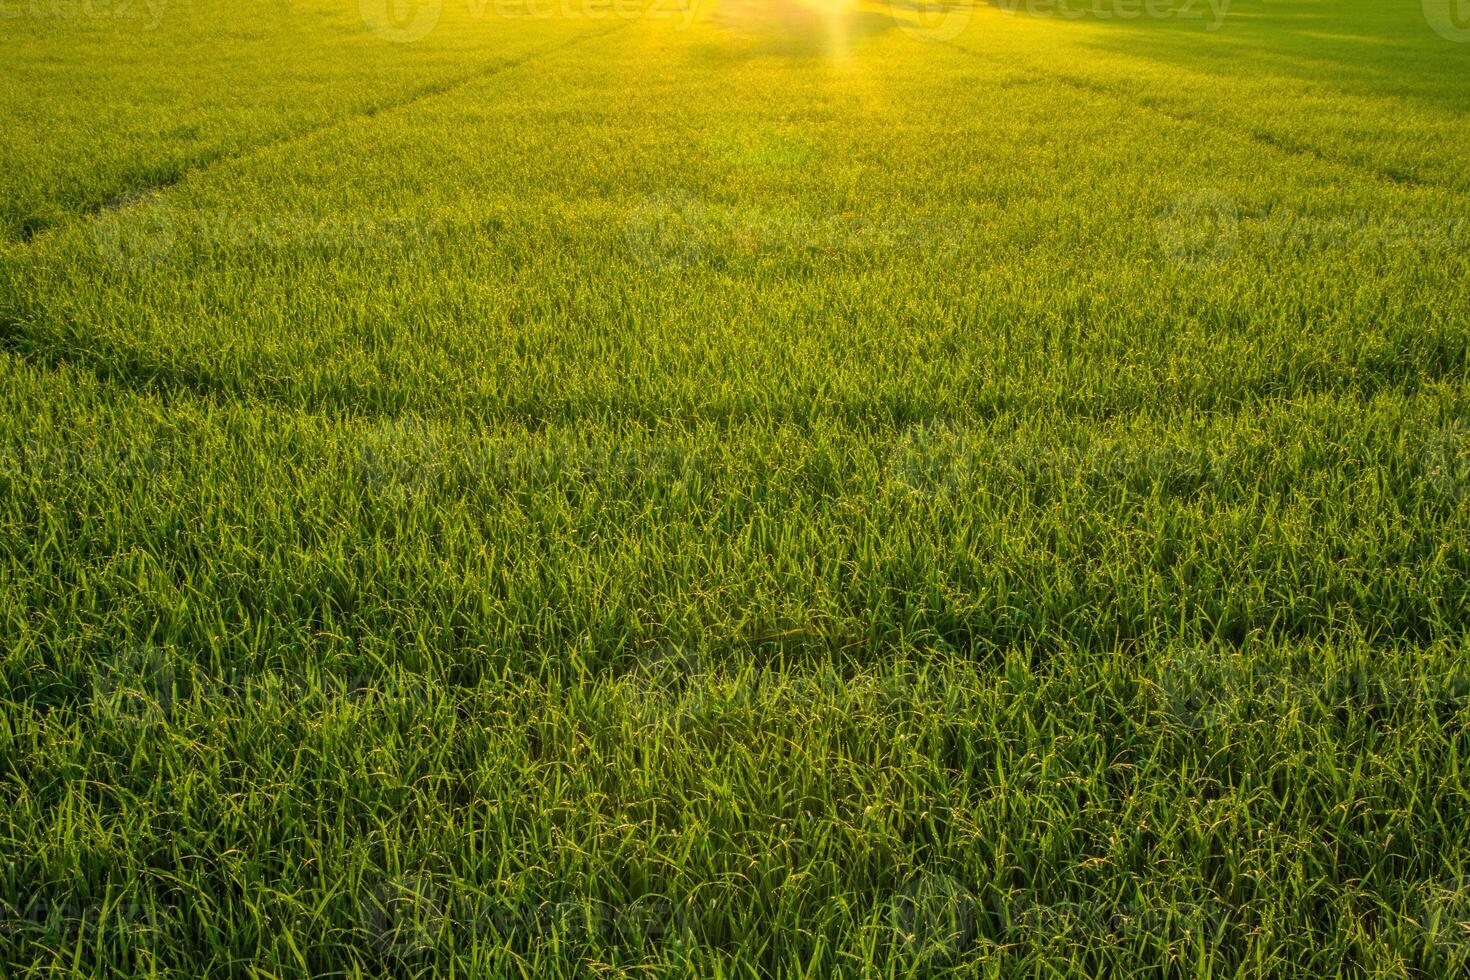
[744, 489]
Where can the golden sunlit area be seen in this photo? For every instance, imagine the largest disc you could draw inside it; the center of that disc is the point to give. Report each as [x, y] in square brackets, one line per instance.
[735, 488]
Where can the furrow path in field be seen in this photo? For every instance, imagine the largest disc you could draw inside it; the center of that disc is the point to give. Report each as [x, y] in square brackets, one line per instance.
[1273, 141]
[138, 194]
[1269, 141]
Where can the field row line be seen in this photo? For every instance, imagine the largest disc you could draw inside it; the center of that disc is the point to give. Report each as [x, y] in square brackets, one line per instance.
[1270, 141]
[123, 373]
[134, 196]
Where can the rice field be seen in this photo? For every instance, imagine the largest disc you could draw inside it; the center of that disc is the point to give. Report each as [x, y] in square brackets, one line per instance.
[756, 488]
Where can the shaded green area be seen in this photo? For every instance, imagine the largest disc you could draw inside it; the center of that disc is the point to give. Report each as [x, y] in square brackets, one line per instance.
[106, 101]
[778, 494]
